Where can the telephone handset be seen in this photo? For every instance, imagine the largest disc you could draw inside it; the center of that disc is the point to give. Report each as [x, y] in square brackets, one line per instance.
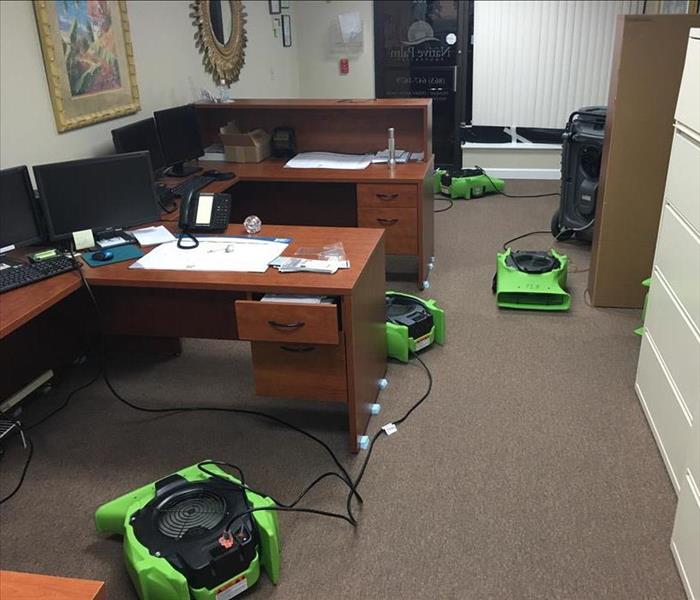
[203, 212]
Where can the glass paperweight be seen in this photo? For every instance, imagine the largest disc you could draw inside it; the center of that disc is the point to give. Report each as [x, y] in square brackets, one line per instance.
[252, 224]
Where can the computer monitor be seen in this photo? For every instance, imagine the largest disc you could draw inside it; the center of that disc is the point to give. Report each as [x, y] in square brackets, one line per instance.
[18, 218]
[139, 136]
[101, 194]
[179, 138]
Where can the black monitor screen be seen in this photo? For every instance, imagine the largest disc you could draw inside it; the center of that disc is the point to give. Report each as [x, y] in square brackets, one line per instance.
[179, 134]
[139, 136]
[18, 224]
[97, 193]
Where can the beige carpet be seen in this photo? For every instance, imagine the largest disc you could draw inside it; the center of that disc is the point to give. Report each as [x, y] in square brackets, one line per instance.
[529, 473]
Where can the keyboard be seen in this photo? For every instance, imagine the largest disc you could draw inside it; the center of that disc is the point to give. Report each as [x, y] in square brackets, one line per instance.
[14, 277]
[192, 184]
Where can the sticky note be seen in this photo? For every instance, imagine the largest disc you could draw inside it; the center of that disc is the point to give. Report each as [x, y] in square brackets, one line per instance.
[83, 239]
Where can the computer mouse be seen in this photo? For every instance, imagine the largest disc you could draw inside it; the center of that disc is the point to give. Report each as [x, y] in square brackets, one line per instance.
[219, 175]
[103, 255]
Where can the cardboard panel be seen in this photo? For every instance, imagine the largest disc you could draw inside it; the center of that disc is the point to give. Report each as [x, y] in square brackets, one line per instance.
[647, 67]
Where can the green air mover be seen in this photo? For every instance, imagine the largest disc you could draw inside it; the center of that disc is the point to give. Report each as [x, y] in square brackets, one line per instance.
[531, 280]
[188, 536]
[465, 183]
[412, 324]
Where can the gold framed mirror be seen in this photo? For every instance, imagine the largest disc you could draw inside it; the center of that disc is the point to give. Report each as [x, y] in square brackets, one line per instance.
[220, 37]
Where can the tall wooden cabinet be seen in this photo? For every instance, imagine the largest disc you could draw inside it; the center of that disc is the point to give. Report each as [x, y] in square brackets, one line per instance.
[645, 78]
[668, 374]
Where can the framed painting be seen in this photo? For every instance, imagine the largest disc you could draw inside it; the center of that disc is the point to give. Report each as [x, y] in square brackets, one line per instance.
[89, 60]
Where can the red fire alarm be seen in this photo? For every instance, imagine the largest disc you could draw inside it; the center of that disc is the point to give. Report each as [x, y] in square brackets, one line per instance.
[344, 66]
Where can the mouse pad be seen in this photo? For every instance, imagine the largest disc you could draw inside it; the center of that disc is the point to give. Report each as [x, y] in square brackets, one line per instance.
[121, 253]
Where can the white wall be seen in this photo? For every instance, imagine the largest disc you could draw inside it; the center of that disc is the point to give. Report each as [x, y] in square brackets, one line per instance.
[535, 62]
[168, 67]
[313, 26]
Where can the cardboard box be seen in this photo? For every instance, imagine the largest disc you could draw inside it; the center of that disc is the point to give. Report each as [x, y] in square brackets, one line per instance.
[253, 146]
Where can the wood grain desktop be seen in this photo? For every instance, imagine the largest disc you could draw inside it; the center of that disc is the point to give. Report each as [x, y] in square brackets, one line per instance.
[30, 586]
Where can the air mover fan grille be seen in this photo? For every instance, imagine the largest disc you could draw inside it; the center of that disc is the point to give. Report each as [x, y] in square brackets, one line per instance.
[190, 514]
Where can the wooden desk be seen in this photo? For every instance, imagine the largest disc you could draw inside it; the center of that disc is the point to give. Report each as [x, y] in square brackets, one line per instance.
[30, 586]
[320, 352]
[398, 200]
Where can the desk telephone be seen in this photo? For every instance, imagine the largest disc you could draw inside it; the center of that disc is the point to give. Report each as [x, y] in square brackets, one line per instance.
[204, 213]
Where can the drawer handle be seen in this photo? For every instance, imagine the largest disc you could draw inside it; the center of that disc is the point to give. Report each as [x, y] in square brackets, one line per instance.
[387, 222]
[387, 196]
[296, 325]
[301, 349]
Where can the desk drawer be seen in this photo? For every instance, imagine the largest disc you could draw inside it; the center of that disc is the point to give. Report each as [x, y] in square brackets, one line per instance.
[401, 226]
[397, 195]
[287, 322]
[301, 371]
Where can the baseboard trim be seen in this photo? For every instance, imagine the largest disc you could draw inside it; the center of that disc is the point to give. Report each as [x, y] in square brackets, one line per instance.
[552, 174]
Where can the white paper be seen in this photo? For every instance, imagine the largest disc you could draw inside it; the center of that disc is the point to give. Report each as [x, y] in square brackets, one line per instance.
[150, 236]
[214, 254]
[109, 242]
[350, 25]
[329, 160]
[297, 299]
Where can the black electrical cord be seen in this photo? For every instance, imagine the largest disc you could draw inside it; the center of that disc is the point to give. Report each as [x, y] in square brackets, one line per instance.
[382, 431]
[65, 403]
[556, 237]
[281, 506]
[201, 466]
[511, 195]
[30, 453]
[349, 517]
[448, 207]
[524, 235]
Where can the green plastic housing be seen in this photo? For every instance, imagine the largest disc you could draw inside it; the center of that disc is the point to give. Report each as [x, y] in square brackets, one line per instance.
[532, 291]
[155, 578]
[466, 187]
[647, 284]
[398, 343]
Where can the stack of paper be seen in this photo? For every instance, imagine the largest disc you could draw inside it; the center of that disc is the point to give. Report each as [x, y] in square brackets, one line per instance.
[296, 299]
[150, 236]
[292, 264]
[214, 253]
[329, 160]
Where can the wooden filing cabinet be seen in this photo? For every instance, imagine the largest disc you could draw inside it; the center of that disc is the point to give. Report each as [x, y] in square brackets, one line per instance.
[668, 372]
[393, 207]
[298, 350]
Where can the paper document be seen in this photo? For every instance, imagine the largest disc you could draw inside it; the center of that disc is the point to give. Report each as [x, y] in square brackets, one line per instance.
[329, 160]
[113, 241]
[295, 298]
[214, 253]
[350, 25]
[150, 236]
